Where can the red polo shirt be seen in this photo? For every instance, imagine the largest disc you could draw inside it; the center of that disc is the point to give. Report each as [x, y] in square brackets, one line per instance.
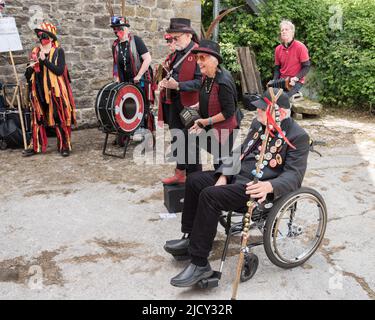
[290, 59]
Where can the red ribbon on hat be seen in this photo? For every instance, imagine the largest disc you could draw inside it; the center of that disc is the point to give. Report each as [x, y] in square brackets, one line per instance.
[272, 121]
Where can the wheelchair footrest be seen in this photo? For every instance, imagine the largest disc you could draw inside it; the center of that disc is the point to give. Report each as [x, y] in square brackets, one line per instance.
[211, 282]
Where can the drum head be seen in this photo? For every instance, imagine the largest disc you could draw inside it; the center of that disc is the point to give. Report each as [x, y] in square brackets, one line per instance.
[129, 108]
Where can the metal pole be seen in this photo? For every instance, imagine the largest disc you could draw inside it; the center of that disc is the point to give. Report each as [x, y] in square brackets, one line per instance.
[216, 13]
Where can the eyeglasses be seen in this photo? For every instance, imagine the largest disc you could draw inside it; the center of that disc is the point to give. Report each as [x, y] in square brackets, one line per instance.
[175, 38]
[201, 57]
[170, 40]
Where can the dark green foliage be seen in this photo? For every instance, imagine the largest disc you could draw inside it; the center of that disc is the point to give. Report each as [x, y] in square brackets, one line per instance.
[344, 60]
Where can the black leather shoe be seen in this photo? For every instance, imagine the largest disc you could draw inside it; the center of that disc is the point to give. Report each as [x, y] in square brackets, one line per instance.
[65, 153]
[191, 275]
[28, 153]
[177, 247]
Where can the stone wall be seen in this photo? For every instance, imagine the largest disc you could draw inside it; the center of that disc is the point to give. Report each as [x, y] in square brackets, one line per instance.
[84, 33]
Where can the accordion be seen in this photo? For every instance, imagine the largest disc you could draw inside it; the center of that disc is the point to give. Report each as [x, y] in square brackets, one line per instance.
[280, 83]
[188, 117]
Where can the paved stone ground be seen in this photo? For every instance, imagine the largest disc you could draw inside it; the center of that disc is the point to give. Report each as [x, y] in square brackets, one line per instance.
[88, 227]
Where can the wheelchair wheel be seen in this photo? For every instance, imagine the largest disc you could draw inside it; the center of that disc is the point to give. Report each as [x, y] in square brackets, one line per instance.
[295, 228]
[250, 267]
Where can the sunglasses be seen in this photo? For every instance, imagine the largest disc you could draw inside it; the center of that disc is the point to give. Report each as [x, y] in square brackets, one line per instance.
[42, 35]
[118, 29]
[201, 57]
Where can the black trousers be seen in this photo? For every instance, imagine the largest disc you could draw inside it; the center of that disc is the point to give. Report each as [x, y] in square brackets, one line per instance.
[203, 206]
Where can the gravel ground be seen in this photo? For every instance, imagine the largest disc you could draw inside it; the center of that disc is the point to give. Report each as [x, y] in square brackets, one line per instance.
[88, 227]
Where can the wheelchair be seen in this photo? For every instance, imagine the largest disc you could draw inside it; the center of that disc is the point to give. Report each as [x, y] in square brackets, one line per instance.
[293, 228]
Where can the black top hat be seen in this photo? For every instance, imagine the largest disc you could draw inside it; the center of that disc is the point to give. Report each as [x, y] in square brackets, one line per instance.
[283, 101]
[180, 25]
[209, 47]
[119, 22]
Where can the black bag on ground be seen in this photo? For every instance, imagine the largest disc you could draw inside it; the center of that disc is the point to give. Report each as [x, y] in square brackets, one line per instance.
[10, 134]
[10, 129]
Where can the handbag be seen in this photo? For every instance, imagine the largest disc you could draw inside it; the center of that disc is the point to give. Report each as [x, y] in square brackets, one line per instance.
[188, 117]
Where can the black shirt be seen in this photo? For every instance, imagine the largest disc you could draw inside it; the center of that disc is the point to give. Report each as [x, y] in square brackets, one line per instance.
[124, 61]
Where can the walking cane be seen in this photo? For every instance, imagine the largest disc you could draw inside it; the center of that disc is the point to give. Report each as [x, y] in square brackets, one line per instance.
[252, 203]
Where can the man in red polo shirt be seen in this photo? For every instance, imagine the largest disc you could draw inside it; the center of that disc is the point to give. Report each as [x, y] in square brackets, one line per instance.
[291, 58]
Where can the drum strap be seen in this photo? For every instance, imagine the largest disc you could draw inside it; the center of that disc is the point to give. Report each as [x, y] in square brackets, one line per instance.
[178, 63]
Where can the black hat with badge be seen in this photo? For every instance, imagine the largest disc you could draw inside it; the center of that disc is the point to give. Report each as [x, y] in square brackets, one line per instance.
[119, 22]
[282, 102]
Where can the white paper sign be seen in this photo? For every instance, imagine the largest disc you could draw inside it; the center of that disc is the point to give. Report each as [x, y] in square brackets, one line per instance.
[9, 36]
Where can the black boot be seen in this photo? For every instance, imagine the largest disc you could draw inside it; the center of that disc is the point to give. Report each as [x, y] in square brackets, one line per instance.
[28, 153]
[65, 153]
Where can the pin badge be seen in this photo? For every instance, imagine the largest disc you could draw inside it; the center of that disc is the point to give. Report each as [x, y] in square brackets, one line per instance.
[278, 143]
[268, 156]
[279, 159]
[273, 163]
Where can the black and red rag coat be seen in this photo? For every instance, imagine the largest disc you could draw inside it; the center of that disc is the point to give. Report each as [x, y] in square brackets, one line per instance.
[51, 98]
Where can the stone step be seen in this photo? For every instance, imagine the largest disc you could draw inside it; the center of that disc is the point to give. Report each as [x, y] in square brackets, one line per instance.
[307, 107]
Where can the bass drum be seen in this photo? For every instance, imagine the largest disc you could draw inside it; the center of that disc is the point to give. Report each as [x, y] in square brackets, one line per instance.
[120, 107]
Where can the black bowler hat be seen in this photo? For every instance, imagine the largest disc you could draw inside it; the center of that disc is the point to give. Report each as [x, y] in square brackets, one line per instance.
[180, 25]
[283, 101]
[119, 22]
[210, 47]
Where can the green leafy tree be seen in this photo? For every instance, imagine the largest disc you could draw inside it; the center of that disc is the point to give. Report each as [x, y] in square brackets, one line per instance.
[344, 60]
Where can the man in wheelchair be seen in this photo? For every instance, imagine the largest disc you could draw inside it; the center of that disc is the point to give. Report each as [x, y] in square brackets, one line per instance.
[209, 193]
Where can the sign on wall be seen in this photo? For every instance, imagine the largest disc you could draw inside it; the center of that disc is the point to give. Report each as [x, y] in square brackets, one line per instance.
[9, 36]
